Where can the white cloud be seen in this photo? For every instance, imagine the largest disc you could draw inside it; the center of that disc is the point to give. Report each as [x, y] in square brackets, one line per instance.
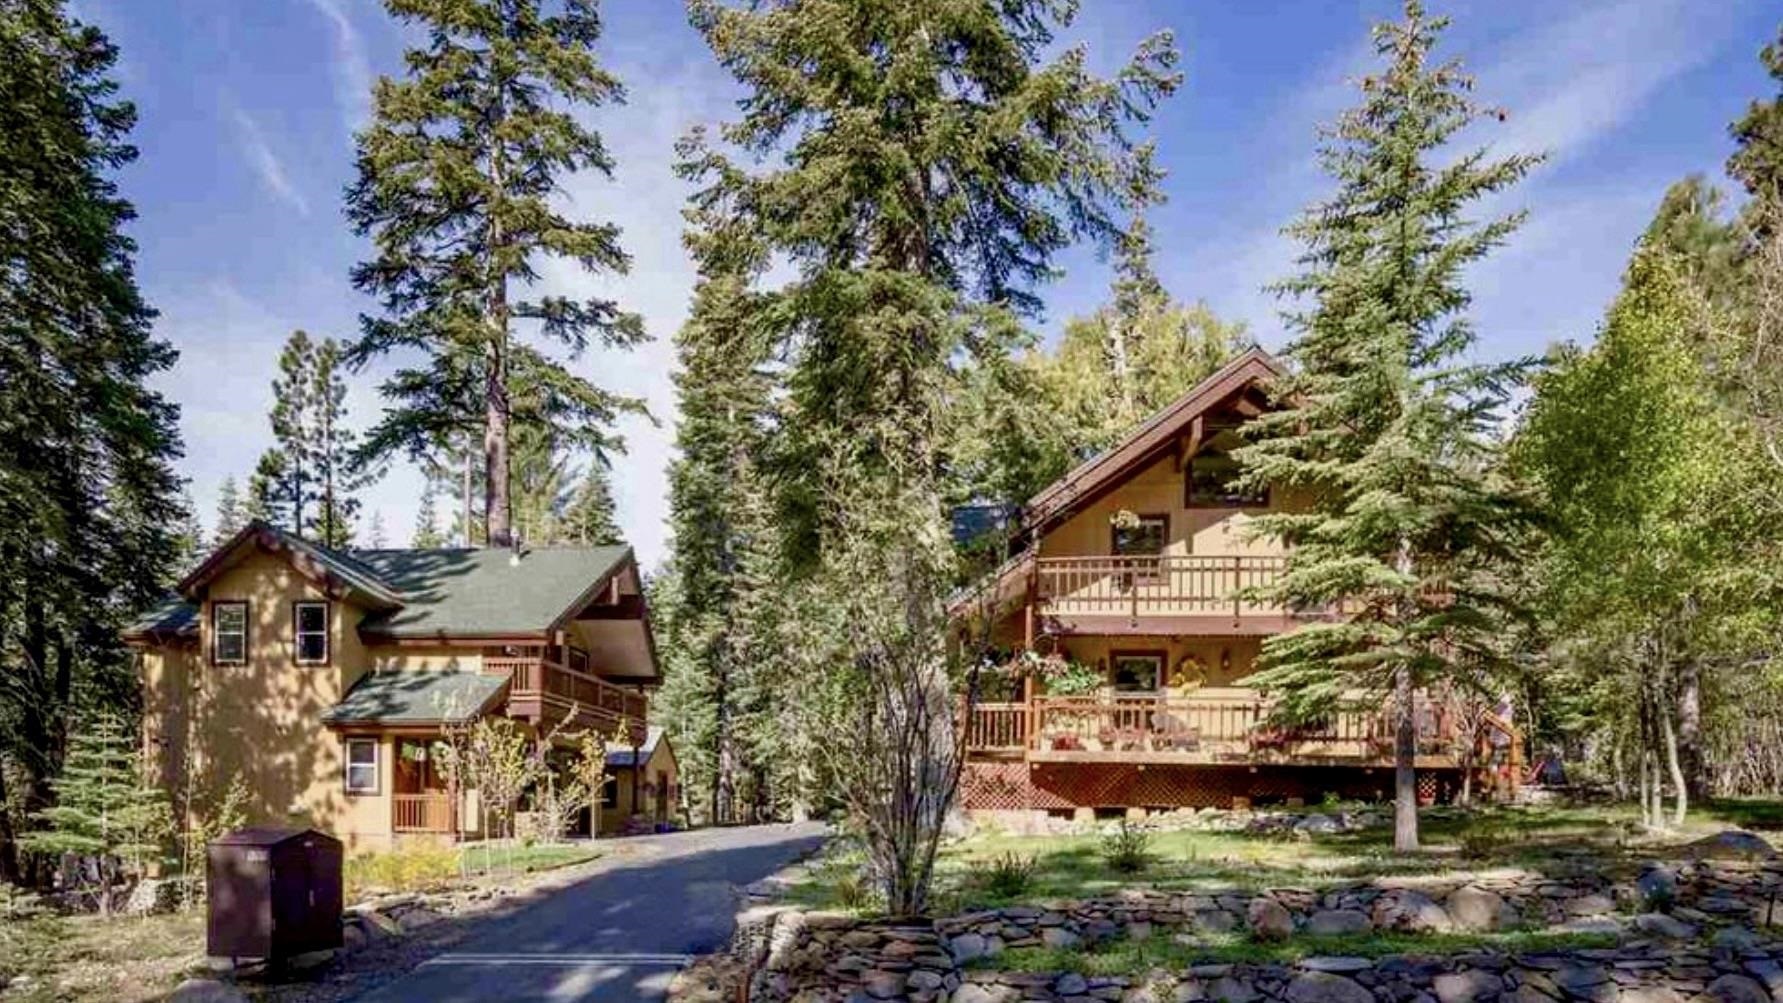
[266, 164]
[352, 72]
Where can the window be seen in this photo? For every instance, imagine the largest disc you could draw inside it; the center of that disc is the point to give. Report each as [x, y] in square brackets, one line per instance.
[578, 659]
[610, 791]
[1143, 538]
[229, 633]
[309, 623]
[1137, 673]
[1212, 477]
[362, 766]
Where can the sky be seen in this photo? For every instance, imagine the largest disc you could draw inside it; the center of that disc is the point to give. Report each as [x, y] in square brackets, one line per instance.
[247, 113]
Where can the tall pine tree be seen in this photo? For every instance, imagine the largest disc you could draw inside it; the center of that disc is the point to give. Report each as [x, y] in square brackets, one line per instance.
[590, 520]
[232, 513]
[88, 499]
[1385, 425]
[458, 175]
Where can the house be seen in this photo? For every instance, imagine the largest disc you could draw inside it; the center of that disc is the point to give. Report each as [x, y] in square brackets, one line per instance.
[325, 679]
[643, 784]
[1122, 604]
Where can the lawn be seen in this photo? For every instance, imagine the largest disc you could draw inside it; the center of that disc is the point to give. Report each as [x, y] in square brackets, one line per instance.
[423, 867]
[1073, 867]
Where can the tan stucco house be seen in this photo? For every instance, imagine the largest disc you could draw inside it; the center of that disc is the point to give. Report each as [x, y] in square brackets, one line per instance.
[643, 784]
[323, 678]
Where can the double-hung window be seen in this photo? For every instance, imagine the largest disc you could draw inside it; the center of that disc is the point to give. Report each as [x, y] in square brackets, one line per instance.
[362, 766]
[229, 632]
[309, 625]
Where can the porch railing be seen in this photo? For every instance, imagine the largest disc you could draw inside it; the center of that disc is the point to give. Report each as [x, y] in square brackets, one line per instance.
[421, 812]
[534, 677]
[1165, 585]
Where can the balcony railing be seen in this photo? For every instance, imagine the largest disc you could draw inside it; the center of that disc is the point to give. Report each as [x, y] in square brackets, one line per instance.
[539, 680]
[1231, 724]
[421, 812]
[1173, 585]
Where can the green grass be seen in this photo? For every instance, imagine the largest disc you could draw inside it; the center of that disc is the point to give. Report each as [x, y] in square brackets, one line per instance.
[128, 958]
[1074, 867]
[428, 866]
[524, 859]
[1132, 957]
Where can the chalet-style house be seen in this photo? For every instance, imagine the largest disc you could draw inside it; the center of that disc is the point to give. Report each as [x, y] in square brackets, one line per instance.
[1126, 576]
[325, 678]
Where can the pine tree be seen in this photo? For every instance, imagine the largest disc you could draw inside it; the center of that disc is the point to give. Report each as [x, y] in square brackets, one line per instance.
[539, 473]
[290, 479]
[590, 519]
[232, 513]
[89, 503]
[340, 472]
[427, 534]
[1689, 224]
[105, 807]
[930, 165]
[1384, 425]
[1757, 164]
[271, 491]
[458, 175]
[375, 537]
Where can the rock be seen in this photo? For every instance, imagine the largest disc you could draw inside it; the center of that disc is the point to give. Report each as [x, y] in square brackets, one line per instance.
[1320, 824]
[1732, 844]
[1651, 994]
[153, 896]
[884, 985]
[1593, 924]
[378, 925]
[971, 992]
[1324, 987]
[966, 947]
[1411, 911]
[1188, 991]
[1336, 965]
[208, 991]
[1467, 986]
[418, 918]
[1658, 924]
[1216, 921]
[1590, 905]
[1657, 886]
[1227, 989]
[1738, 938]
[1070, 984]
[353, 937]
[1737, 989]
[1269, 920]
[1475, 909]
[923, 980]
[1059, 938]
[1337, 922]
[1139, 931]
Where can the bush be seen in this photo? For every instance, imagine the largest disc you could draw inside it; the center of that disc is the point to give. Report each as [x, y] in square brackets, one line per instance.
[1010, 875]
[407, 868]
[1485, 839]
[1127, 850]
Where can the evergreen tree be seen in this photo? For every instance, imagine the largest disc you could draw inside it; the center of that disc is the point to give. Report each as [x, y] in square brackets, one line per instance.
[590, 518]
[427, 534]
[1689, 225]
[89, 503]
[232, 512]
[1384, 425]
[1757, 164]
[106, 807]
[457, 181]
[340, 472]
[189, 539]
[931, 163]
[375, 537]
[540, 478]
[271, 491]
[289, 479]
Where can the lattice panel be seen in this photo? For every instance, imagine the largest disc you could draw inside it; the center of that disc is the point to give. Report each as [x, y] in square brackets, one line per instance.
[1055, 786]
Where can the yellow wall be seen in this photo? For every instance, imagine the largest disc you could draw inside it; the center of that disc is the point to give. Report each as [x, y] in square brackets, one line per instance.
[1240, 654]
[1158, 490]
[659, 768]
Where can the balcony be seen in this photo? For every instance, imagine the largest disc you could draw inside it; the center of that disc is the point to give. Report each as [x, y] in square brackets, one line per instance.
[540, 690]
[1182, 593]
[1227, 725]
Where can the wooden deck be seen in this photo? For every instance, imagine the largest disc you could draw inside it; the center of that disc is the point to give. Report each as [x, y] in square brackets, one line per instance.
[1216, 726]
[543, 691]
[1165, 594]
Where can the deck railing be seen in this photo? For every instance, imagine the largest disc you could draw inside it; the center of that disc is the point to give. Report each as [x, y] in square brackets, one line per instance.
[421, 812]
[1230, 723]
[535, 677]
[1172, 585]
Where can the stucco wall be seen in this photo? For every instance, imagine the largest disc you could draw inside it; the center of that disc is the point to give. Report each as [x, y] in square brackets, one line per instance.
[1159, 490]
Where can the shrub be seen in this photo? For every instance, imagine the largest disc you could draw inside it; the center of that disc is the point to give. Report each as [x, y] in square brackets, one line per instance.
[1127, 850]
[407, 868]
[1010, 875]
[1484, 839]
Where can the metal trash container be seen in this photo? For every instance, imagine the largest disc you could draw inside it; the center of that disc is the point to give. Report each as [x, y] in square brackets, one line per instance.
[273, 893]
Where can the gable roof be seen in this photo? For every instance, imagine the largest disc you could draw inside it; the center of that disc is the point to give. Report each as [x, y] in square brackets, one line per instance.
[431, 697]
[488, 592]
[1152, 439]
[435, 593]
[620, 754]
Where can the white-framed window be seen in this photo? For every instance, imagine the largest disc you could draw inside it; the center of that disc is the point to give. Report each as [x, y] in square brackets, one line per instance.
[309, 627]
[229, 632]
[362, 766]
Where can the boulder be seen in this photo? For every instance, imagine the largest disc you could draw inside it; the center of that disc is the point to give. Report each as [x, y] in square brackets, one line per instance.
[1590, 905]
[1467, 986]
[1324, 987]
[1658, 924]
[884, 985]
[1651, 994]
[1732, 844]
[1410, 911]
[1737, 989]
[966, 947]
[1059, 938]
[1337, 922]
[418, 918]
[1336, 965]
[206, 991]
[1319, 824]
[1738, 938]
[1657, 885]
[1269, 920]
[1071, 984]
[1476, 909]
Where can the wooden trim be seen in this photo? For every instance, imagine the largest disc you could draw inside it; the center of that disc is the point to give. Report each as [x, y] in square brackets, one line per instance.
[247, 630]
[608, 577]
[297, 632]
[1163, 543]
[377, 766]
[419, 639]
[1161, 654]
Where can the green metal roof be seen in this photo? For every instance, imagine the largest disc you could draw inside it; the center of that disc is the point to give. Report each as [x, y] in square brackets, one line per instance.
[485, 591]
[419, 697]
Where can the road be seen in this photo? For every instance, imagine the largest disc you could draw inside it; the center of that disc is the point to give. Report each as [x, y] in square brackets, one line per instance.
[616, 937]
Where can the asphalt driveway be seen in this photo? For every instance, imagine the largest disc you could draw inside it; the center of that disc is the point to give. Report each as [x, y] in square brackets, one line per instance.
[618, 936]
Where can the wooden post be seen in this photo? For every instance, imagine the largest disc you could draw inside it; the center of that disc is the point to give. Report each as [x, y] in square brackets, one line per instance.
[1237, 585]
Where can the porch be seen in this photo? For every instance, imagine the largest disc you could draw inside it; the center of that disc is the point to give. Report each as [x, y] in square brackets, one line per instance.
[1226, 725]
[544, 691]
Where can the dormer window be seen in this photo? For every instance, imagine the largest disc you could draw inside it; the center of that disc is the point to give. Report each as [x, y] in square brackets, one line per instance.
[229, 632]
[309, 624]
[1213, 483]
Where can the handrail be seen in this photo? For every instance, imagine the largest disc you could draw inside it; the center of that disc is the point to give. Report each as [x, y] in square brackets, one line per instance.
[1174, 584]
[428, 812]
[542, 677]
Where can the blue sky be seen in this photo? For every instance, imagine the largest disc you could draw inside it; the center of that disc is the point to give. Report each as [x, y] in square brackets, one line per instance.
[247, 112]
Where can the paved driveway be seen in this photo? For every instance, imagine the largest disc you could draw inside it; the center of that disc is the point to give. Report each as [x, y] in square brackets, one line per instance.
[616, 937]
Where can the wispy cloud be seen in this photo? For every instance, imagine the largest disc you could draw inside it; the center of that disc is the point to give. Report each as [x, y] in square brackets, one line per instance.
[266, 164]
[352, 71]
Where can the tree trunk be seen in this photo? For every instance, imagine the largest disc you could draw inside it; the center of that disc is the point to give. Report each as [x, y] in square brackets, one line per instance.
[1669, 739]
[724, 780]
[499, 528]
[469, 494]
[1689, 744]
[9, 850]
[1405, 749]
